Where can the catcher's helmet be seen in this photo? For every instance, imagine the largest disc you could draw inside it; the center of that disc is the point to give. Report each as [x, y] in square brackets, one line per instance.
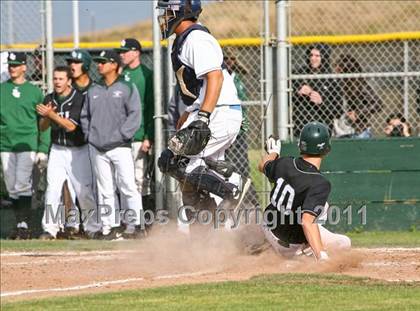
[81, 56]
[314, 139]
[173, 12]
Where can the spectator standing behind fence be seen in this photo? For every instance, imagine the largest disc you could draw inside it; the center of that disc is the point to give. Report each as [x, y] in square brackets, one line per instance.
[359, 102]
[397, 126]
[238, 152]
[69, 155]
[142, 77]
[315, 99]
[110, 117]
[21, 143]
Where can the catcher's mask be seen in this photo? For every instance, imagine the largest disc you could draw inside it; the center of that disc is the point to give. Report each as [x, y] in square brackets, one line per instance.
[173, 12]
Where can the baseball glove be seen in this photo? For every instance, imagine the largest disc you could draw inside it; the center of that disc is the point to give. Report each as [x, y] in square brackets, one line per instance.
[190, 140]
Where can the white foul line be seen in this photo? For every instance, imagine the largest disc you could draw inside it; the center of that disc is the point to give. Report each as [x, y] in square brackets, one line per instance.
[64, 253]
[98, 284]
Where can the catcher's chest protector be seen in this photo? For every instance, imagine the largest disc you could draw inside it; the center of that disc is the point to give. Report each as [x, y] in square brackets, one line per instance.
[186, 78]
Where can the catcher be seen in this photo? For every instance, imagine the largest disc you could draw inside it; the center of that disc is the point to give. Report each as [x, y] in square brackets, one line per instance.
[300, 192]
[211, 122]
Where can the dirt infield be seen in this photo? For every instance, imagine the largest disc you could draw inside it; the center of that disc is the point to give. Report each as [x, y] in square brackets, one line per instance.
[167, 258]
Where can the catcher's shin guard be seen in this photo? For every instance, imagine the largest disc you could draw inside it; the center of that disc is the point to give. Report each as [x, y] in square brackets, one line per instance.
[201, 179]
[204, 180]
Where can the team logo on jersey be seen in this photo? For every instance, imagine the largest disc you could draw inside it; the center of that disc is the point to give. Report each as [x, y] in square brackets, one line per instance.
[127, 77]
[117, 94]
[16, 93]
[321, 145]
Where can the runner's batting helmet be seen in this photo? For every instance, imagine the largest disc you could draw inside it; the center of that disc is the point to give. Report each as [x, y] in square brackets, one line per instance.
[81, 56]
[173, 12]
[314, 139]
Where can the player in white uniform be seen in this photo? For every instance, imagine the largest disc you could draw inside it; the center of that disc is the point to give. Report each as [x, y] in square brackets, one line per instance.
[213, 117]
[69, 155]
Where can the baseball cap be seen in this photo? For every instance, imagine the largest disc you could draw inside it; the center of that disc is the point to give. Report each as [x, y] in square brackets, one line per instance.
[129, 44]
[108, 56]
[16, 58]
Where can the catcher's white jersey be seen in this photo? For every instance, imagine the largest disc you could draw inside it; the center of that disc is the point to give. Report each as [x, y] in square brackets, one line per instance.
[202, 52]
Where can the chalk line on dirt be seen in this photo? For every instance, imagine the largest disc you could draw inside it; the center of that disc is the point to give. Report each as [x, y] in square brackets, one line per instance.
[99, 284]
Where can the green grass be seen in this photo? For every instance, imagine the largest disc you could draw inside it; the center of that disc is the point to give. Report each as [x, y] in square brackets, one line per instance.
[385, 239]
[274, 292]
[62, 245]
[362, 239]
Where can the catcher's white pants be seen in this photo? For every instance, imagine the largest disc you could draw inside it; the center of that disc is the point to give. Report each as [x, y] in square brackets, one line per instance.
[17, 172]
[71, 164]
[121, 160]
[331, 241]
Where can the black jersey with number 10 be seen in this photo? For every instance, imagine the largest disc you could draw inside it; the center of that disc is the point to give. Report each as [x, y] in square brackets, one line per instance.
[299, 188]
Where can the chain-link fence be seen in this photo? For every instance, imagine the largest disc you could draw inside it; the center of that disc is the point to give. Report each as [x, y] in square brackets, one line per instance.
[22, 22]
[352, 65]
[363, 81]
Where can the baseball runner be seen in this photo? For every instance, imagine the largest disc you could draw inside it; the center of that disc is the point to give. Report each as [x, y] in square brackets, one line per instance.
[213, 117]
[110, 117]
[69, 155]
[21, 144]
[300, 192]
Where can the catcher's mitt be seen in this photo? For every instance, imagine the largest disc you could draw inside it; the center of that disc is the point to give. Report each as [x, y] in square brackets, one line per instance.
[190, 140]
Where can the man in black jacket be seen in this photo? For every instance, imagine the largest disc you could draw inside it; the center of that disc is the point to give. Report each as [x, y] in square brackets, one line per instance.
[318, 98]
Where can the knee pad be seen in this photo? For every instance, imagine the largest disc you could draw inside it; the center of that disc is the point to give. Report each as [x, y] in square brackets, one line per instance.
[172, 165]
[165, 161]
[205, 180]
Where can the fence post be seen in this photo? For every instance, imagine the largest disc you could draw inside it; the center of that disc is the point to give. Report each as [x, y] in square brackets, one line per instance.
[50, 50]
[282, 70]
[157, 81]
[76, 24]
[268, 70]
[406, 68]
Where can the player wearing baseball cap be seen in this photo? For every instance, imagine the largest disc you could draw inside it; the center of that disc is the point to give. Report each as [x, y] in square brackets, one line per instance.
[300, 193]
[69, 155]
[110, 117]
[79, 62]
[142, 77]
[21, 143]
